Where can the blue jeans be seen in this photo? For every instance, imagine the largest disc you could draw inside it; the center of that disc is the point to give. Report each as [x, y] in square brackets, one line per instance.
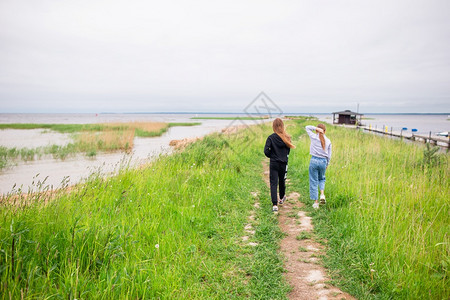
[317, 167]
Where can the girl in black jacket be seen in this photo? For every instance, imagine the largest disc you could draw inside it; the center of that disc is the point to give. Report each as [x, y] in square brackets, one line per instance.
[277, 148]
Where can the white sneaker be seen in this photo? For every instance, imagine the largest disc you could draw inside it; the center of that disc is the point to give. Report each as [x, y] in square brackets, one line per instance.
[281, 201]
[322, 199]
[316, 205]
[275, 208]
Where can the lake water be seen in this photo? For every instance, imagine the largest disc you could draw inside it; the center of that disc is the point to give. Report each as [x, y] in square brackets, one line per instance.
[423, 123]
[145, 149]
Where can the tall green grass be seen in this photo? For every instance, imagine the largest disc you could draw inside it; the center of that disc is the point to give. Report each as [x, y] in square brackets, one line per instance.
[171, 230]
[387, 215]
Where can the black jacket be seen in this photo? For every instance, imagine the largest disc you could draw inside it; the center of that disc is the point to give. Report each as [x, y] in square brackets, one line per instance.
[276, 149]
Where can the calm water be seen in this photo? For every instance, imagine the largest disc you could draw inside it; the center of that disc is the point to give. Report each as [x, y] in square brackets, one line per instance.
[96, 118]
[79, 167]
[423, 123]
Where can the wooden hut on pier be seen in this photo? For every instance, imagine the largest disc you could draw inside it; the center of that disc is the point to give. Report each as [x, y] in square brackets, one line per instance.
[347, 117]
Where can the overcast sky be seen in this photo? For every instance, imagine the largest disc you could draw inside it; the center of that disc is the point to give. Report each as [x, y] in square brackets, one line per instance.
[205, 56]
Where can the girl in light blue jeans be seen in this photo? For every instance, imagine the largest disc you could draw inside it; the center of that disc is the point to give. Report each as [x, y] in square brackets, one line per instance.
[320, 151]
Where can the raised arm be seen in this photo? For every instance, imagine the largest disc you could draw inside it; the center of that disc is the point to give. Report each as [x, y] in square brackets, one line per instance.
[310, 130]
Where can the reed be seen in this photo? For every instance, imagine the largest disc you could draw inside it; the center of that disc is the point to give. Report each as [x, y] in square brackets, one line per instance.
[141, 129]
[106, 140]
[386, 217]
[9, 154]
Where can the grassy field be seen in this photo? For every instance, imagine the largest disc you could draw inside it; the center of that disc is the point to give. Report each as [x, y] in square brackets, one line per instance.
[172, 229]
[87, 138]
[387, 214]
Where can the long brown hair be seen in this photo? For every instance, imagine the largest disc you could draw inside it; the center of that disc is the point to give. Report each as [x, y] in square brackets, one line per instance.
[278, 128]
[322, 139]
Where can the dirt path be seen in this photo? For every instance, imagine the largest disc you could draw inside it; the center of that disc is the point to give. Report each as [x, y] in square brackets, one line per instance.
[304, 272]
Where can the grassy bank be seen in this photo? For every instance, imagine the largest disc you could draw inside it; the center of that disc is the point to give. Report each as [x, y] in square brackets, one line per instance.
[87, 138]
[170, 230]
[387, 214]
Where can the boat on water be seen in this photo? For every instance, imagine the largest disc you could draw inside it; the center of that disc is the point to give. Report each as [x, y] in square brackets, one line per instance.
[444, 133]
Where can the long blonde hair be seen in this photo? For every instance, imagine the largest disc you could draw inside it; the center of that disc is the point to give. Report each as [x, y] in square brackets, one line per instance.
[322, 139]
[278, 128]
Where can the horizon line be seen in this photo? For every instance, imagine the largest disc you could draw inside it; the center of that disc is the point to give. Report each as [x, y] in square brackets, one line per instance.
[236, 113]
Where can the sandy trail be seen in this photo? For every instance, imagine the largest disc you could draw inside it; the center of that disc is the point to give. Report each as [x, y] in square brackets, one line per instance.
[308, 279]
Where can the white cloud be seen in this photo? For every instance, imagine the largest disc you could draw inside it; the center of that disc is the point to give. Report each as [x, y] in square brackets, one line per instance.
[208, 56]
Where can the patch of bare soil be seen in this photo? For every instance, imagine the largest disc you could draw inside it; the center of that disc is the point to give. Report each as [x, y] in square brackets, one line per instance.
[233, 129]
[25, 199]
[249, 229]
[308, 279]
[181, 144]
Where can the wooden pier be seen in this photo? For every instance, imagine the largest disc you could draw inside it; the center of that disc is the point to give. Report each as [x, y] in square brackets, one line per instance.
[432, 139]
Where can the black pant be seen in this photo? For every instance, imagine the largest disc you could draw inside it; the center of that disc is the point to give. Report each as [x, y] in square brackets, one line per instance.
[278, 172]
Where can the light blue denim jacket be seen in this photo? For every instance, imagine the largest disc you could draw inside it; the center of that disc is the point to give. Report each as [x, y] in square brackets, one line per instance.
[316, 147]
